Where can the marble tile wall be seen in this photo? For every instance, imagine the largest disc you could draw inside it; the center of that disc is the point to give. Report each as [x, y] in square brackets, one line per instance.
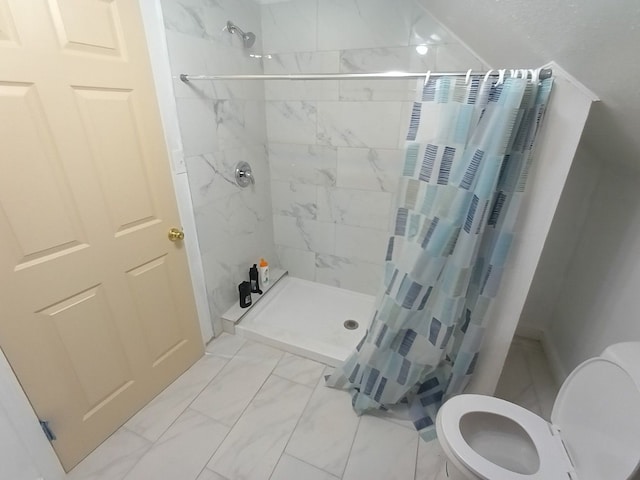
[335, 147]
[222, 123]
[325, 154]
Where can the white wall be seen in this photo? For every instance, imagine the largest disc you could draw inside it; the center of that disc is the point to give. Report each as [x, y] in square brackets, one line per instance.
[594, 40]
[585, 288]
[15, 463]
[566, 230]
[25, 453]
[336, 148]
[556, 147]
[599, 302]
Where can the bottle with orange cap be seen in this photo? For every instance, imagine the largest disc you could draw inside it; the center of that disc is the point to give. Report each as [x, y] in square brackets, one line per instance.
[264, 272]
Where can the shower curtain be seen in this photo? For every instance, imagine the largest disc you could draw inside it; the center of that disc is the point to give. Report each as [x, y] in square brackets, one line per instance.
[467, 156]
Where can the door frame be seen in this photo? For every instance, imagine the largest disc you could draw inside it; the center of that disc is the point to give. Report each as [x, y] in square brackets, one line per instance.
[159, 56]
[13, 400]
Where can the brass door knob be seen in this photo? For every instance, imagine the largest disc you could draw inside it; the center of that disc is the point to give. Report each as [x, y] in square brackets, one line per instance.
[175, 234]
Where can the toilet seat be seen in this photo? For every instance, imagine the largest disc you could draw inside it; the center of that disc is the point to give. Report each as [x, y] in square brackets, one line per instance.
[554, 461]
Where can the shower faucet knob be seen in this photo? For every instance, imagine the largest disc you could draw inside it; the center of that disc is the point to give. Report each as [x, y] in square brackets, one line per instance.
[244, 176]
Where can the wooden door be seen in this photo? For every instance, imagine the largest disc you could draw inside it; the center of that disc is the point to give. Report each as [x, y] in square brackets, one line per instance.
[98, 313]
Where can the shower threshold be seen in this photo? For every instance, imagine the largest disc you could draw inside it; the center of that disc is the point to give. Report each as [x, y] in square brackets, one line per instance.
[308, 319]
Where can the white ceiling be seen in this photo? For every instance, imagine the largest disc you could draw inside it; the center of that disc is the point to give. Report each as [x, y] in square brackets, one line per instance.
[597, 41]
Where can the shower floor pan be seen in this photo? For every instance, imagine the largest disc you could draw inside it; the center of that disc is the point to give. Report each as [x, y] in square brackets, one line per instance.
[308, 319]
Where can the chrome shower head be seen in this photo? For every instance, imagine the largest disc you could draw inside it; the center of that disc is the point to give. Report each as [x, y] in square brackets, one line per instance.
[248, 38]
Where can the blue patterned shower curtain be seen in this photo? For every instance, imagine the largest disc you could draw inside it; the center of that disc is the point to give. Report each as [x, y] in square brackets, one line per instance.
[468, 153]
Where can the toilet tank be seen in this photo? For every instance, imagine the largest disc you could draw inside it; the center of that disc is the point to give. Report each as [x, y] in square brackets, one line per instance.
[598, 414]
[627, 355]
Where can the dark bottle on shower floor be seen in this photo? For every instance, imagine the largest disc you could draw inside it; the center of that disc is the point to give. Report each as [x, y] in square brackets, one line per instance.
[253, 278]
[244, 289]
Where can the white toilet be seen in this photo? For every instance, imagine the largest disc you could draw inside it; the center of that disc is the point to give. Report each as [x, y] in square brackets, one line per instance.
[594, 432]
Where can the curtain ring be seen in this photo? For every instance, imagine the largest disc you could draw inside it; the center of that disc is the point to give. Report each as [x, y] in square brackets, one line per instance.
[501, 73]
[426, 78]
[535, 75]
[468, 77]
[487, 75]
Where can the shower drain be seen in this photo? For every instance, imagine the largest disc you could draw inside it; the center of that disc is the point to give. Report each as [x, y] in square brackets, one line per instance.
[351, 324]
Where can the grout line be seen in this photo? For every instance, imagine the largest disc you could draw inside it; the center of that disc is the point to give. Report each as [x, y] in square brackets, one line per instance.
[251, 401]
[192, 400]
[538, 386]
[311, 465]
[353, 441]
[243, 411]
[153, 444]
[306, 405]
[206, 468]
[515, 349]
[312, 387]
[181, 411]
[533, 385]
[134, 464]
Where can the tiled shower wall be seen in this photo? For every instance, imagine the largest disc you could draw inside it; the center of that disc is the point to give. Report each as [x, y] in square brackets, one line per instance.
[222, 123]
[335, 147]
[326, 154]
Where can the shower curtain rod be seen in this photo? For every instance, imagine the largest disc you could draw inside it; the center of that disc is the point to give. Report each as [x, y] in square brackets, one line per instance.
[544, 73]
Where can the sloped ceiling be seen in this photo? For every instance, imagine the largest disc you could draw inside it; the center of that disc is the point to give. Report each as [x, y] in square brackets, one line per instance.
[596, 41]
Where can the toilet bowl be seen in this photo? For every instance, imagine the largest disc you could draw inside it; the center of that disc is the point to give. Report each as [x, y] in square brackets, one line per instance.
[594, 432]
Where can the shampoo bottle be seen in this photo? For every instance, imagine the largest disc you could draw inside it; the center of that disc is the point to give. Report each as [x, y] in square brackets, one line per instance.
[253, 278]
[264, 272]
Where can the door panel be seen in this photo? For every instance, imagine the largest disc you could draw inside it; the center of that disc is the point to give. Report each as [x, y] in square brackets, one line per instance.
[89, 338]
[98, 312]
[153, 296]
[99, 36]
[34, 182]
[7, 30]
[107, 116]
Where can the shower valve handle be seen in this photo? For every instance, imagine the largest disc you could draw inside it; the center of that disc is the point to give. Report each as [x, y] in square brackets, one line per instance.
[244, 176]
[248, 175]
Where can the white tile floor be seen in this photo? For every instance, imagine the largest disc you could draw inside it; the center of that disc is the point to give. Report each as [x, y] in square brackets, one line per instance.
[526, 378]
[249, 411]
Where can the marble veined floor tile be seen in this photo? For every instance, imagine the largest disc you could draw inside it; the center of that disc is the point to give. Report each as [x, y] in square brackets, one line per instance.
[226, 397]
[544, 384]
[382, 450]
[207, 474]
[183, 450]
[290, 468]
[225, 345]
[448, 472]
[515, 377]
[299, 370]
[266, 414]
[256, 442]
[325, 432]
[528, 399]
[431, 459]
[398, 414]
[152, 421]
[113, 459]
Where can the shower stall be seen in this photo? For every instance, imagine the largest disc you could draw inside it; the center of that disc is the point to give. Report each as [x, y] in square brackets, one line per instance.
[325, 155]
